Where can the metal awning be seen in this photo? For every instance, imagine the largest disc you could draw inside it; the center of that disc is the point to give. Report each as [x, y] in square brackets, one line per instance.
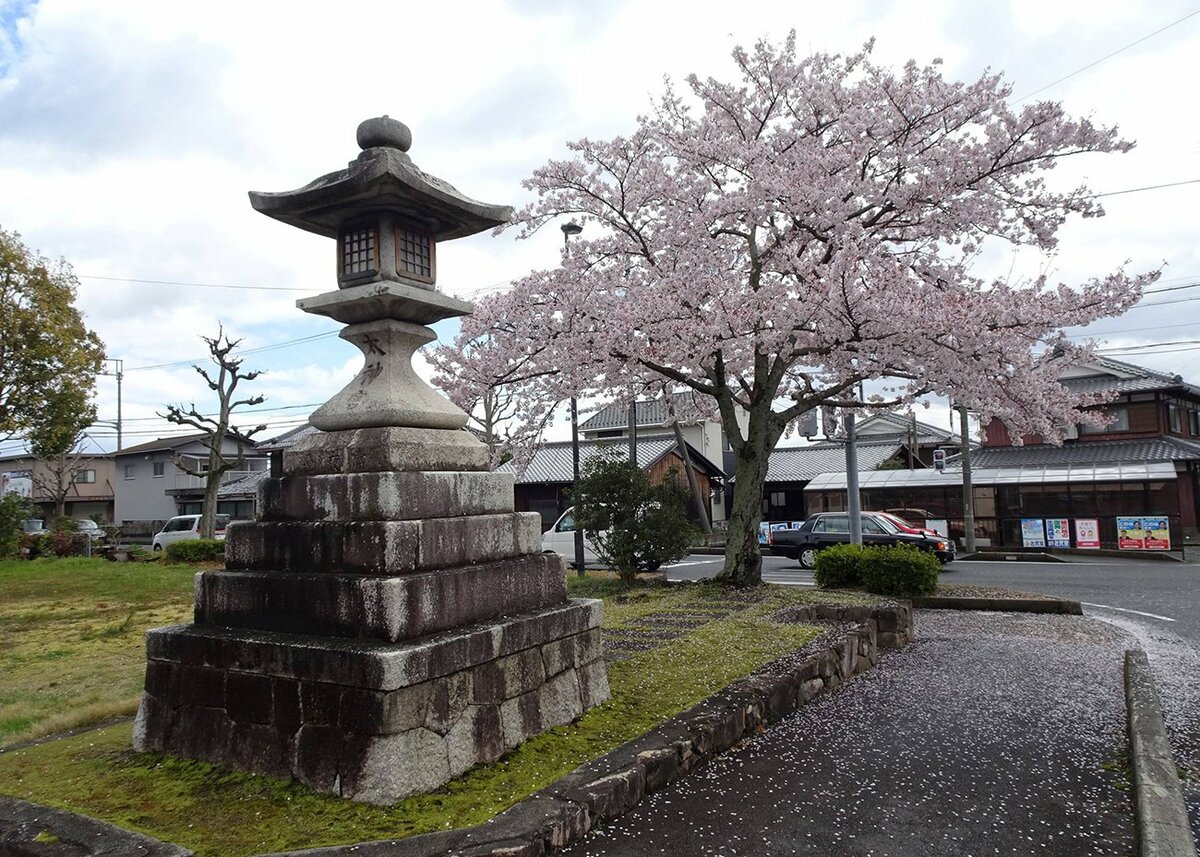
[1140, 471]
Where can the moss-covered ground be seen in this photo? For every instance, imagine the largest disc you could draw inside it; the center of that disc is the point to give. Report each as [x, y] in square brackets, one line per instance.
[218, 812]
[71, 638]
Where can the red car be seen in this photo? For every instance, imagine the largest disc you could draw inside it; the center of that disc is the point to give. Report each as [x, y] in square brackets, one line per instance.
[905, 527]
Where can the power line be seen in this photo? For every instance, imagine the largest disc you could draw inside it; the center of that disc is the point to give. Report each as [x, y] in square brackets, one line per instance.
[258, 350]
[1147, 187]
[195, 285]
[1095, 63]
[256, 410]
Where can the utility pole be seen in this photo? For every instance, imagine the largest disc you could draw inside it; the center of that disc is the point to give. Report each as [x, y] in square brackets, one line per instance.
[633, 431]
[569, 229]
[853, 501]
[968, 495]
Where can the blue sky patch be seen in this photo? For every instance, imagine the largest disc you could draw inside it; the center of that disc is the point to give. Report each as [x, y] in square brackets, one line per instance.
[11, 11]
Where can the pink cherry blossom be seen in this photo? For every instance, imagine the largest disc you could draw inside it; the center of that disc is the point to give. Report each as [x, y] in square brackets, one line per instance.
[771, 241]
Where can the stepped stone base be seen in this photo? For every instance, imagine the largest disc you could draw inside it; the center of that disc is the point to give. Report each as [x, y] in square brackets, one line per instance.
[367, 720]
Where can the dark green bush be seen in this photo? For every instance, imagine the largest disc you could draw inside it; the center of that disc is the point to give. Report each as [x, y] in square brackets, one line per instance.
[900, 570]
[840, 567]
[195, 550]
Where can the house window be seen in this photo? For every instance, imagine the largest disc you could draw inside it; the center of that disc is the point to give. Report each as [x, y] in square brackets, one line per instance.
[85, 477]
[778, 498]
[359, 251]
[1120, 422]
[1195, 421]
[130, 471]
[414, 253]
[159, 469]
[1175, 418]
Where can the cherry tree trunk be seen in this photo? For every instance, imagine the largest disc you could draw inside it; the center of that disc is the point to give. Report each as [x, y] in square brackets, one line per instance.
[743, 557]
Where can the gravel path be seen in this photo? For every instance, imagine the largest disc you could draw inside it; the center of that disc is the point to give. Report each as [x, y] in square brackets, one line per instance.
[993, 734]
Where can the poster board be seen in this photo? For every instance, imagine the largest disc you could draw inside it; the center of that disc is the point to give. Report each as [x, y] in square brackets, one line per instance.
[939, 525]
[1087, 533]
[1158, 533]
[1033, 533]
[1130, 534]
[1058, 532]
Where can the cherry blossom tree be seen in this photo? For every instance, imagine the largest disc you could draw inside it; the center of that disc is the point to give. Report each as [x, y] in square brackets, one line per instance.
[501, 393]
[772, 241]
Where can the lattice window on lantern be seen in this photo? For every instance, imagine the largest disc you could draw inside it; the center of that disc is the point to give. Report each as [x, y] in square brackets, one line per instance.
[359, 250]
[414, 253]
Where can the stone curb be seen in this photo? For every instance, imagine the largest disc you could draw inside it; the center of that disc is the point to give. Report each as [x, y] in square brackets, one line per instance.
[68, 834]
[1002, 605]
[564, 812]
[1162, 820]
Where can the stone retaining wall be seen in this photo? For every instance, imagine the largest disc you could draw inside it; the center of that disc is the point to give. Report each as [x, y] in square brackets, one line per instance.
[600, 791]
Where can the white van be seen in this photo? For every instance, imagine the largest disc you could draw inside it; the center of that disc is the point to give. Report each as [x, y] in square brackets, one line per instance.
[183, 527]
[560, 539]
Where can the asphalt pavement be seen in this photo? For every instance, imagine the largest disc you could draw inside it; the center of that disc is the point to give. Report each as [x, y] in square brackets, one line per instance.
[992, 734]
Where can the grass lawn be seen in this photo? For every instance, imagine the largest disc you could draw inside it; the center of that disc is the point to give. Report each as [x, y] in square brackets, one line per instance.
[218, 812]
[71, 638]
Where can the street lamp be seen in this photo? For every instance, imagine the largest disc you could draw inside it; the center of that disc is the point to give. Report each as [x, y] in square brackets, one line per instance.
[569, 229]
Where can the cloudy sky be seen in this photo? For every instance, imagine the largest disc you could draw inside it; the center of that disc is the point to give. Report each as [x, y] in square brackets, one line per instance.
[130, 133]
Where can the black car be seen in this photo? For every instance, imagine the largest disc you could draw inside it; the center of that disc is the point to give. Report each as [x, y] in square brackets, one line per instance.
[833, 528]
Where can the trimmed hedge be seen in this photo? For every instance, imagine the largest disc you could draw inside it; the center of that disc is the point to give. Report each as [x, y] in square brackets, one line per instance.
[195, 550]
[900, 570]
[840, 566]
[884, 570]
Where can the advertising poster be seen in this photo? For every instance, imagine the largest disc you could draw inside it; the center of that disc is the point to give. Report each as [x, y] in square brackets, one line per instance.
[764, 532]
[1033, 533]
[1087, 533]
[1158, 534]
[1130, 535]
[1058, 532]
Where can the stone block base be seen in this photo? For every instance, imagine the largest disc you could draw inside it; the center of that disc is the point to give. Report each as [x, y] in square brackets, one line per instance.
[366, 720]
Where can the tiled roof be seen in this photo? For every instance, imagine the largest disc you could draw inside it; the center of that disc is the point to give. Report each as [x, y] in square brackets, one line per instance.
[163, 443]
[898, 426]
[801, 463]
[288, 439]
[247, 484]
[552, 462]
[1124, 378]
[1086, 452]
[652, 413]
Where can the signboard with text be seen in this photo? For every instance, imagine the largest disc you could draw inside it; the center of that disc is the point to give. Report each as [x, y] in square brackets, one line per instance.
[1158, 533]
[1033, 533]
[1087, 533]
[1131, 536]
[1058, 532]
[19, 482]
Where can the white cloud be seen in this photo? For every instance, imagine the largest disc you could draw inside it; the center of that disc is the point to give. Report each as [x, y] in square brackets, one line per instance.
[130, 133]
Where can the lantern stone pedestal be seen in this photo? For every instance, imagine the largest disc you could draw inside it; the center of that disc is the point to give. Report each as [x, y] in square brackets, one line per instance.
[389, 620]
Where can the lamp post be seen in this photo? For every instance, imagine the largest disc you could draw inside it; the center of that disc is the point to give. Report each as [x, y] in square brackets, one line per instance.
[968, 493]
[569, 229]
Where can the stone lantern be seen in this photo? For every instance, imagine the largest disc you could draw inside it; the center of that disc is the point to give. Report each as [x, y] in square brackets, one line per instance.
[389, 620]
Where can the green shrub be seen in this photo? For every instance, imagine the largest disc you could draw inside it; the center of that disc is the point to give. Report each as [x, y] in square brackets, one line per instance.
[900, 570]
[195, 550]
[840, 566]
[14, 509]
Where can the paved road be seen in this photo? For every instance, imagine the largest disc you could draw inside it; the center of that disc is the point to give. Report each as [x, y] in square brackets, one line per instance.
[991, 734]
[1157, 602]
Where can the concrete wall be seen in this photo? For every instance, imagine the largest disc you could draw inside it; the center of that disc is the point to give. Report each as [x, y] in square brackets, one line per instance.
[142, 496]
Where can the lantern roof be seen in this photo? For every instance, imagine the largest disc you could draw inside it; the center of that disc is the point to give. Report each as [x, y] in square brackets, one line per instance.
[383, 178]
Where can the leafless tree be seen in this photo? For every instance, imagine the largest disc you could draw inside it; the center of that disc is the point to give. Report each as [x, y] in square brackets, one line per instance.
[224, 383]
